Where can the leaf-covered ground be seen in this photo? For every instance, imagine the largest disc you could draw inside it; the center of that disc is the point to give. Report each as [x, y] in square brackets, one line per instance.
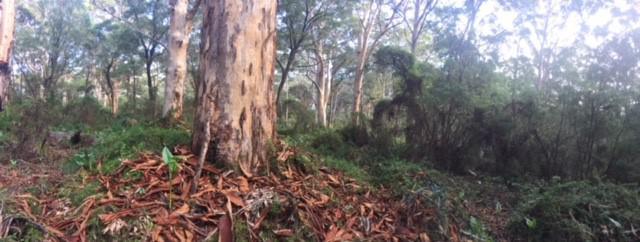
[134, 203]
[299, 199]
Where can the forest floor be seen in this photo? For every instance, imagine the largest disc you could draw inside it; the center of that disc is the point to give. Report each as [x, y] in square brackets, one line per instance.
[295, 203]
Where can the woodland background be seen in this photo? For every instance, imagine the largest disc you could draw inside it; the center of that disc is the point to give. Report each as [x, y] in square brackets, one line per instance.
[525, 115]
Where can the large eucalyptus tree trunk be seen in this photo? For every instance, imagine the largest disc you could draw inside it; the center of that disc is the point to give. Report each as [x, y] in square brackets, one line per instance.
[179, 30]
[7, 27]
[235, 113]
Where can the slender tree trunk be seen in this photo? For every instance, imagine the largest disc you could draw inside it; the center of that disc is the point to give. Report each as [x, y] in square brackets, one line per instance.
[328, 86]
[236, 91]
[285, 74]
[363, 55]
[359, 83]
[7, 28]
[323, 82]
[114, 88]
[179, 30]
[87, 82]
[366, 43]
[415, 34]
[320, 87]
[152, 89]
[130, 88]
[134, 95]
[115, 98]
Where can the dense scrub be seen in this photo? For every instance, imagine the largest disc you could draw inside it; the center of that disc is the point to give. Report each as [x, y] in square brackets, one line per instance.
[470, 123]
[536, 210]
[578, 211]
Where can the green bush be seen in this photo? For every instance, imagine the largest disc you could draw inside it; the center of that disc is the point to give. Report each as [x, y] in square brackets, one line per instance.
[395, 173]
[128, 141]
[349, 168]
[578, 211]
[329, 142]
[85, 114]
[115, 144]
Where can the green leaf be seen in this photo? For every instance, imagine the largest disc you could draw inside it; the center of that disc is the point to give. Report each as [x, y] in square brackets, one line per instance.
[167, 157]
[170, 160]
[531, 223]
[616, 223]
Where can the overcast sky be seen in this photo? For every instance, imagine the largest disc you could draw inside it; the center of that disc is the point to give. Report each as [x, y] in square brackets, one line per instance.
[565, 34]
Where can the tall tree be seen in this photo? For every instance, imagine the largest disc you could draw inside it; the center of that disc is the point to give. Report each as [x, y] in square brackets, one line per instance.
[372, 26]
[328, 59]
[7, 27]
[235, 115]
[46, 38]
[113, 85]
[148, 17]
[298, 18]
[415, 19]
[114, 52]
[179, 30]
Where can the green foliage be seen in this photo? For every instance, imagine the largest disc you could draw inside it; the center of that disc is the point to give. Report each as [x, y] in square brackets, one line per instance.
[295, 117]
[84, 159]
[578, 211]
[394, 173]
[78, 196]
[90, 115]
[361, 163]
[478, 230]
[125, 142]
[129, 141]
[349, 168]
[7, 119]
[329, 142]
[170, 161]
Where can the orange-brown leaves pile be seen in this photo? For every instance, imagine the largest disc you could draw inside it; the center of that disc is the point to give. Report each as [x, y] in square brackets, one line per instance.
[328, 205]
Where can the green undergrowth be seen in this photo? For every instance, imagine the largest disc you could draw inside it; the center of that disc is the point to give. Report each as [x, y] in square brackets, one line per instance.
[338, 149]
[578, 211]
[334, 150]
[77, 192]
[119, 143]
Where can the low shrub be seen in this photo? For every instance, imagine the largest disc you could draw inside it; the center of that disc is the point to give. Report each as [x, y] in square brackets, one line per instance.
[578, 211]
[115, 144]
[395, 173]
[329, 142]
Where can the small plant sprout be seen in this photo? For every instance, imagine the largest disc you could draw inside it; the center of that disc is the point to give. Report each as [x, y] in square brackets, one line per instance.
[531, 223]
[172, 164]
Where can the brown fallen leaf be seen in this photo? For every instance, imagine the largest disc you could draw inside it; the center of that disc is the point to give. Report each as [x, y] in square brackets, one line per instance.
[180, 211]
[424, 237]
[54, 231]
[243, 184]
[233, 197]
[155, 235]
[284, 232]
[337, 234]
[225, 229]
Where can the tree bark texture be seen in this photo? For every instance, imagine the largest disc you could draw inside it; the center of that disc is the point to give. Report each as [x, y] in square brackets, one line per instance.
[235, 96]
[7, 29]
[180, 28]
